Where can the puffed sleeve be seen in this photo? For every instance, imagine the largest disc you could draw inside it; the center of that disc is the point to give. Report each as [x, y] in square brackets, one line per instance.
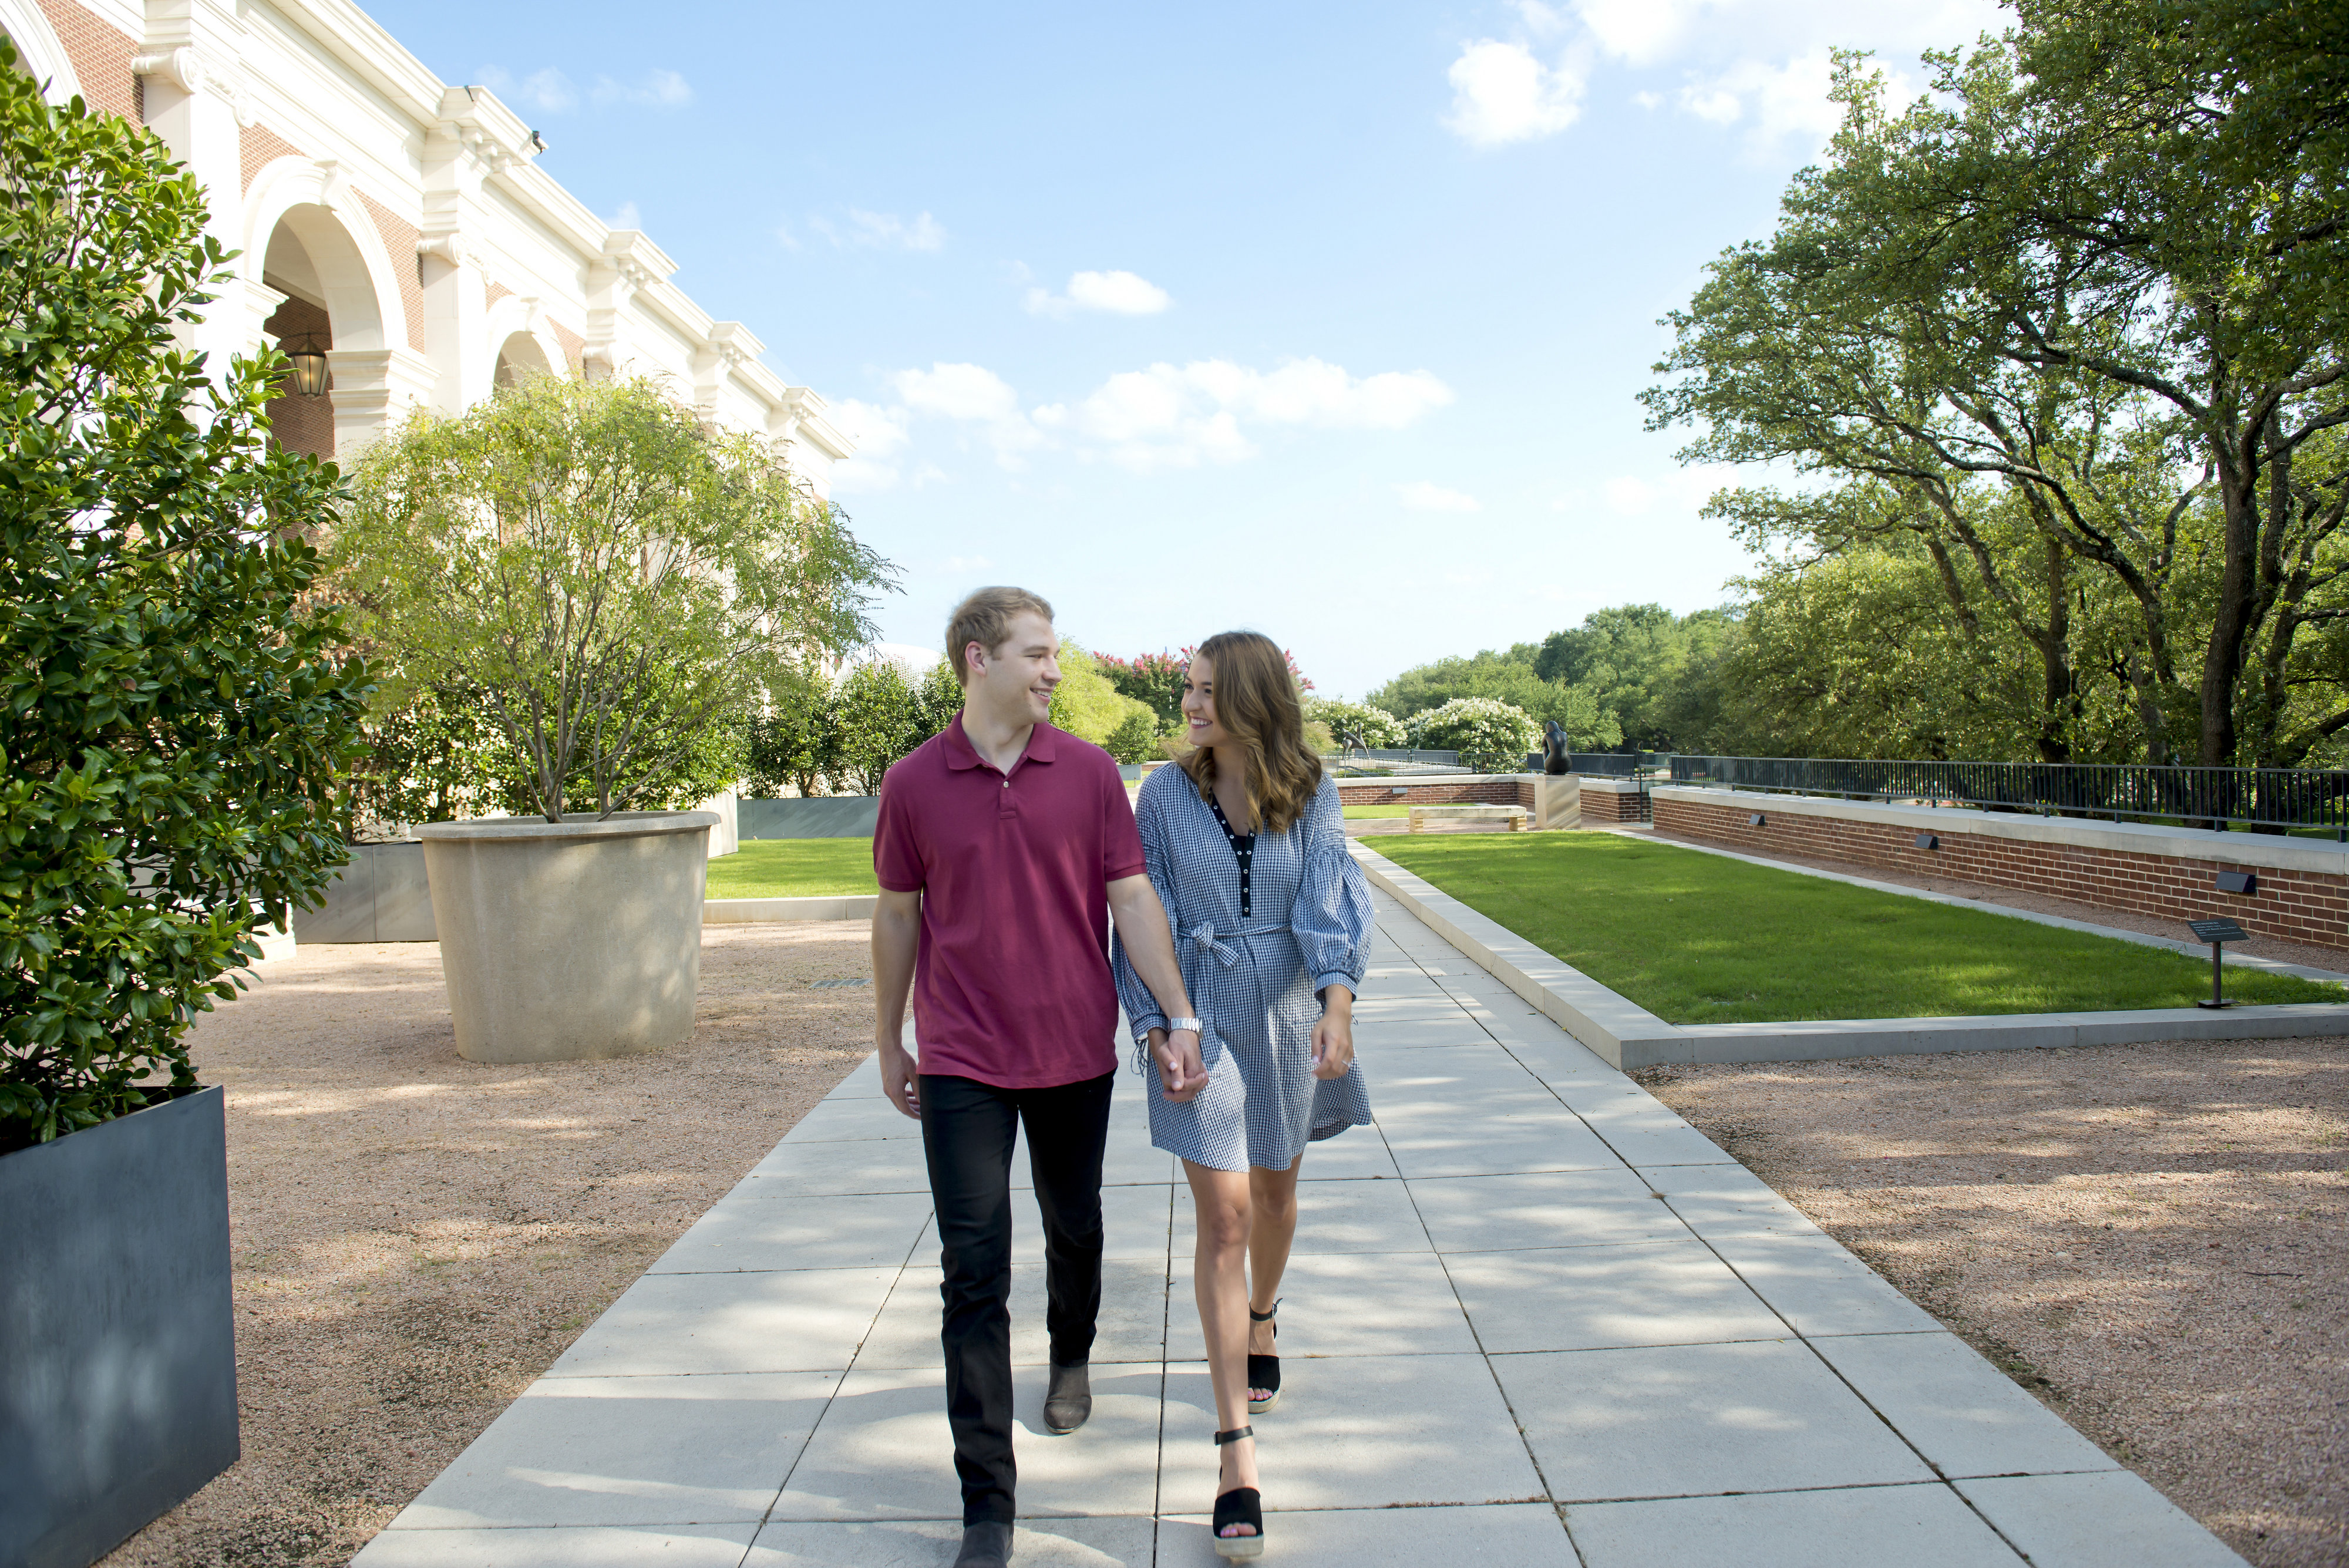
[1142, 1008]
[1332, 918]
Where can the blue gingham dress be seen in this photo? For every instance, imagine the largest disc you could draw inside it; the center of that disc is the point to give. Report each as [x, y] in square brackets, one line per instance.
[1251, 978]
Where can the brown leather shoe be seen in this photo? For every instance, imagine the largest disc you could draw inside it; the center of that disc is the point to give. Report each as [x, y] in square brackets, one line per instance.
[1069, 1399]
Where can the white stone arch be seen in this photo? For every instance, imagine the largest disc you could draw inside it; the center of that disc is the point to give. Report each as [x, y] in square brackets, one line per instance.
[516, 330]
[355, 271]
[38, 50]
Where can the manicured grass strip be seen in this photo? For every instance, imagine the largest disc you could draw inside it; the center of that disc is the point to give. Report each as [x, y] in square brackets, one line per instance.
[1695, 938]
[1373, 813]
[793, 868]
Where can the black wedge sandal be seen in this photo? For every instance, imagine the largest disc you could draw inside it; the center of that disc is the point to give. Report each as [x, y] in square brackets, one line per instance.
[1241, 1505]
[1264, 1371]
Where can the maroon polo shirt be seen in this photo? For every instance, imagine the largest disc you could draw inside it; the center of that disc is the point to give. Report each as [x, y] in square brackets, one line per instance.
[1011, 985]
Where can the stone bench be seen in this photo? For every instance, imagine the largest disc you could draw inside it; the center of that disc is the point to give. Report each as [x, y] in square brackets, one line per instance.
[1515, 814]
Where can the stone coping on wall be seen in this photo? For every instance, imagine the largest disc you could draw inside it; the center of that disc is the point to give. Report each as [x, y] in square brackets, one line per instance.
[1388, 780]
[1628, 1035]
[2272, 851]
[766, 911]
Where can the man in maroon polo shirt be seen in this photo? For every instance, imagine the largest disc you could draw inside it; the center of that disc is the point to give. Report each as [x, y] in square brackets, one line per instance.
[1004, 848]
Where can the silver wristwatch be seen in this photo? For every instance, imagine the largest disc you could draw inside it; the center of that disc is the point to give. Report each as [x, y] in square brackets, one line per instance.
[1195, 1025]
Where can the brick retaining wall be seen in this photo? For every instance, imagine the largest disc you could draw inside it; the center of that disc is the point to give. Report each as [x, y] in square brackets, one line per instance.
[1501, 789]
[1602, 804]
[2299, 906]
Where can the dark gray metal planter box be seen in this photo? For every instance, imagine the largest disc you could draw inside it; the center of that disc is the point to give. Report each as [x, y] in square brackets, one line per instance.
[822, 816]
[117, 1335]
[380, 897]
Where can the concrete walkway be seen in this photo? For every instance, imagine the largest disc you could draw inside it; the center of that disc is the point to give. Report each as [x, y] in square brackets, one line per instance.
[1534, 1318]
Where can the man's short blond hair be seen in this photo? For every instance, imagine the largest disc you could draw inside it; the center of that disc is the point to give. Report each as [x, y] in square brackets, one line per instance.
[986, 619]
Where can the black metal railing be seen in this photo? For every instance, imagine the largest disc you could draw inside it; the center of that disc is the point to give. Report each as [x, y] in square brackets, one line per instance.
[1615, 764]
[2265, 797]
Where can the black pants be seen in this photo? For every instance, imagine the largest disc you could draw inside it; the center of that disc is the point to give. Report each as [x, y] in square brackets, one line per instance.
[967, 1133]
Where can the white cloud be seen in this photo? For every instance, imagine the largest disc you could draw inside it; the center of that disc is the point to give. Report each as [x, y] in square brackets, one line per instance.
[548, 91]
[1682, 489]
[627, 217]
[1167, 416]
[883, 231]
[1761, 66]
[1421, 495]
[1628, 497]
[659, 89]
[1172, 416]
[971, 394]
[965, 563]
[1118, 293]
[957, 392]
[1501, 94]
[877, 431]
[1774, 101]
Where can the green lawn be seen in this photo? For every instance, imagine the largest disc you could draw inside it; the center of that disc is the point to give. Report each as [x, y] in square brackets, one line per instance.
[793, 868]
[1370, 813]
[1695, 938]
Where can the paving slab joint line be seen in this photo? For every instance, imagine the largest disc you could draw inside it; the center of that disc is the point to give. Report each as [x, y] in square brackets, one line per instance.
[1549, 1493]
[817, 1425]
[1627, 1035]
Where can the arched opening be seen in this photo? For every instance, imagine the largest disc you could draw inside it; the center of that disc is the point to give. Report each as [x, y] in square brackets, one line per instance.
[519, 356]
[39, 53]
[328, 304]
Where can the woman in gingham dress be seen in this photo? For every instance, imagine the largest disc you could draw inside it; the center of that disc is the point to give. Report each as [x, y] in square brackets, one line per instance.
[1244, 841]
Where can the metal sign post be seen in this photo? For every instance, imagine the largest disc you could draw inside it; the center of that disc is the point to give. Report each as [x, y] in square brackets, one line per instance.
[2217, 933]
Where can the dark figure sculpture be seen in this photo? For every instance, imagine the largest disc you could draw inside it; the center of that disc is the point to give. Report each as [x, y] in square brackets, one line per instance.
[1554, 748]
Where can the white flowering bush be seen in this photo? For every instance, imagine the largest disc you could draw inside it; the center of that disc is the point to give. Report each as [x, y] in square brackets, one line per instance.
[1492, 737]
[1375, 727]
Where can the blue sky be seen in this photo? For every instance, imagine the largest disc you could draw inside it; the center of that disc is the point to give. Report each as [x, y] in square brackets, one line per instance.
[1324, 320]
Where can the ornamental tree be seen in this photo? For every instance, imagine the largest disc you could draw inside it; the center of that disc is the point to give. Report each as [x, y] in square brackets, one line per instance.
[1356, 723]
[174, 708]
[616, 580]
[1490, 736]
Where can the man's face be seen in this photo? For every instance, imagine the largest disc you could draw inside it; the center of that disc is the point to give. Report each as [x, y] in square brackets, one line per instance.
[1013, 682]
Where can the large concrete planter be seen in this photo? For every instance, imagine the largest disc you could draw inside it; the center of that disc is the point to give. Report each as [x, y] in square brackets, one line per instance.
[571, 940]
[118, 1331]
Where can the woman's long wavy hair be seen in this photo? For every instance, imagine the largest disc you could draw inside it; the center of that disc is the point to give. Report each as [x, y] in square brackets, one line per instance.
[1256, 701]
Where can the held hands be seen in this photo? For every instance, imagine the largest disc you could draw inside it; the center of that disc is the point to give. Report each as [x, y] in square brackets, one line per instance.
[1333, 1035]
[1180, 1071]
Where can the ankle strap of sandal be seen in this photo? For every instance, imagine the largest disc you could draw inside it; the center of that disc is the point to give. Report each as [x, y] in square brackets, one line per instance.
[1234, 1436]
[1256, 1316]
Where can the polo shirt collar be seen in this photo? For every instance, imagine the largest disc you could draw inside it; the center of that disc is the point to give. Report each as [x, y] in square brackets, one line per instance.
[1044, 745]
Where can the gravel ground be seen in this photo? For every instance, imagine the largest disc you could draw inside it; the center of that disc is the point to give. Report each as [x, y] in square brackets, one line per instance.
[2147, 1237]
[418, 1237]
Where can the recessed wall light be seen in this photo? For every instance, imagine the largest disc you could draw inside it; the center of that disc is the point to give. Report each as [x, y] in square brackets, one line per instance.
[1928, 841]
[1754, 820]
[2244, 882]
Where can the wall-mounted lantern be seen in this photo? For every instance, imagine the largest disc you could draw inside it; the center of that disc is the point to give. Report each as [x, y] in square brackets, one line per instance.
[309, 366]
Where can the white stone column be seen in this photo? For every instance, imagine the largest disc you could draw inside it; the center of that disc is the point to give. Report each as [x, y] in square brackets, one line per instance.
[455, 312]
[192, 77]
[373, 390]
